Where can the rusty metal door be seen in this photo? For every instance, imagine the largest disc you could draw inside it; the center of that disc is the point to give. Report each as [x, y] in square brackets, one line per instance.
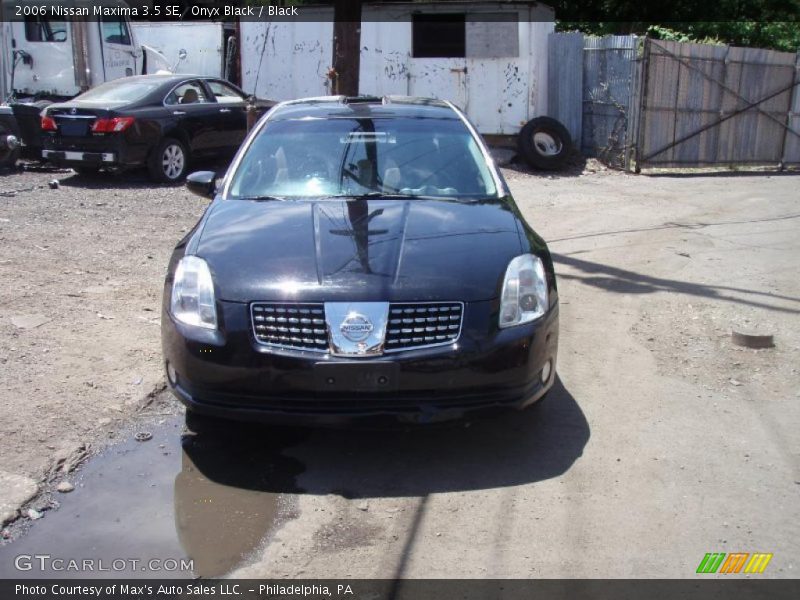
[705, 105]
[444, 78]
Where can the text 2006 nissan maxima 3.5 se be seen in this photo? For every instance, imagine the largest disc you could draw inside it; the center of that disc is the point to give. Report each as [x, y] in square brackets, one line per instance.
[362, 258]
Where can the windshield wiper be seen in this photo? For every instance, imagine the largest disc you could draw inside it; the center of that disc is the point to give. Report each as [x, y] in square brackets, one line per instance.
[381, 196]
[399, 196]
[258, 198]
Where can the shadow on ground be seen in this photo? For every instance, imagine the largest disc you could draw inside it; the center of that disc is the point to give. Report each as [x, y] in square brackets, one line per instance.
[765, 172]
[515, 448]
[574, 167]
[623, 281]
[227, 495]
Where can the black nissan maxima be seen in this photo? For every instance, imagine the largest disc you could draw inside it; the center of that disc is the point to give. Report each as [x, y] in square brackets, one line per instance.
[158, 121]
[362, 259]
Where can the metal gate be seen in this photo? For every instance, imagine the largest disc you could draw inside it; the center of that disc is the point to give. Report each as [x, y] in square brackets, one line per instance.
[705, 105]
[609, 77]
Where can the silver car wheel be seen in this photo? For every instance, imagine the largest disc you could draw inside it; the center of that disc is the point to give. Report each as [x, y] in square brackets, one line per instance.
[173, 161]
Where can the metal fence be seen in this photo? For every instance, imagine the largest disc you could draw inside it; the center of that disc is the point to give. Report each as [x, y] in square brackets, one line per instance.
[591, 90]
[649, 103]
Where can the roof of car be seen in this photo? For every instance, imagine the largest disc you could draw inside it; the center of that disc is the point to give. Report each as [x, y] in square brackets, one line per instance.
[159, 77]
[372, 106]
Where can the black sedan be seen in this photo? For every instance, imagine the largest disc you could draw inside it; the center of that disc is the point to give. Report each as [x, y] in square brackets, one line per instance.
[362, 258]
[158, 121]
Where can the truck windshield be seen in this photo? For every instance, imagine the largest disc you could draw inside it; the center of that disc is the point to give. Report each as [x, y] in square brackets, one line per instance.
[345, 157]
[119, 91]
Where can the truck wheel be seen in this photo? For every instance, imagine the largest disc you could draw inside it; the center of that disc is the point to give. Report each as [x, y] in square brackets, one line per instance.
[9, 147]
[169, 161]
[545, 143]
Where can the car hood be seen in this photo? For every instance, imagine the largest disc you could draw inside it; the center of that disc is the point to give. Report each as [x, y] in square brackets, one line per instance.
[358, 250]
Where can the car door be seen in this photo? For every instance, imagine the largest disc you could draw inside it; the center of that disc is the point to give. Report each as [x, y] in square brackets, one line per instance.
[232, 111]
[195, 114]
[118, 52]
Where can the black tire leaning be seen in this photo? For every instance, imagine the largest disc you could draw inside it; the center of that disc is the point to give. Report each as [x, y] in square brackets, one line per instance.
[163, 168]
[545, 144]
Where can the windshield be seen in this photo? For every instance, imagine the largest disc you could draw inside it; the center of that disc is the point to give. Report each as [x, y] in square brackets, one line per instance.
[119, 91]
[336, 157]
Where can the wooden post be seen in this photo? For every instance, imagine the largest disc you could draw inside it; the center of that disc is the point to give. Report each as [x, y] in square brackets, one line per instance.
[346, 47]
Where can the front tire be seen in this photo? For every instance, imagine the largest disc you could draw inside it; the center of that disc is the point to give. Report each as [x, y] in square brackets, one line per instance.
[169, 161]
[545, 144]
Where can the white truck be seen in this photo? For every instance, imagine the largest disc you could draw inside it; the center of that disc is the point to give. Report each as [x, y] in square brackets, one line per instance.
[47, 57]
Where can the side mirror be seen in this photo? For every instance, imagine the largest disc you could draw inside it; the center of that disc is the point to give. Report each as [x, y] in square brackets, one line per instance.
[202, 183]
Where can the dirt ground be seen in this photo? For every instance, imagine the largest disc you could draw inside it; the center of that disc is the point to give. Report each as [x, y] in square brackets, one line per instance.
[661, 441]
[81, 268]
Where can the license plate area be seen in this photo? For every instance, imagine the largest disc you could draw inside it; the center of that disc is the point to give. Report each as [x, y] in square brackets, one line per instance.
[356, 376]
[73, 128]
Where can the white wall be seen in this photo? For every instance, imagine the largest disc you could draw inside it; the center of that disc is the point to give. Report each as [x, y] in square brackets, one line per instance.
[203, 43]
[283, 60]
[286, 60]
[499, 94]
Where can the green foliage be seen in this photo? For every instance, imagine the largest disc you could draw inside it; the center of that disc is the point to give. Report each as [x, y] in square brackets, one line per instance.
[665, 33]
[773, 24]
[780, 35]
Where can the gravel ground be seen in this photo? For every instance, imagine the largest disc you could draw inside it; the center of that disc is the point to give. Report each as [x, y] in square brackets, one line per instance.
[81, 267]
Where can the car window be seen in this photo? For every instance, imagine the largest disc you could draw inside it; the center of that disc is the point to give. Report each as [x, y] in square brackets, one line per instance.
[224, 93]
[345, 157]
[121, 90]
[188, 93]
[115, 30]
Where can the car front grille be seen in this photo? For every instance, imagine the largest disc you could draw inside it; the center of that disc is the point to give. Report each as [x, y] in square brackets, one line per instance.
[288, 325]
[411, 325]
[418, 325]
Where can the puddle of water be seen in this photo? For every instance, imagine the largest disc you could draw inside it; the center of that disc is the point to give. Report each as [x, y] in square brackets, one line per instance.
[224, 495]
[205, 498]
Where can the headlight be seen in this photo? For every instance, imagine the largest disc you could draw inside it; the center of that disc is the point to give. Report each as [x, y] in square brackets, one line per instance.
[193, 294]
[524, 291]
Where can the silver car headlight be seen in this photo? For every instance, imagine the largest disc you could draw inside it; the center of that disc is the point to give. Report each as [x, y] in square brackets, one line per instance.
[193, 294]
[524, 297]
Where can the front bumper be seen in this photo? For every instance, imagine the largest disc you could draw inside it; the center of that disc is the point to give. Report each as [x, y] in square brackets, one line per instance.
[229, 375]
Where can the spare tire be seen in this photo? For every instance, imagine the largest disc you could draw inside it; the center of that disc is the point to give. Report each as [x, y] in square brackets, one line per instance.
[544, 143]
